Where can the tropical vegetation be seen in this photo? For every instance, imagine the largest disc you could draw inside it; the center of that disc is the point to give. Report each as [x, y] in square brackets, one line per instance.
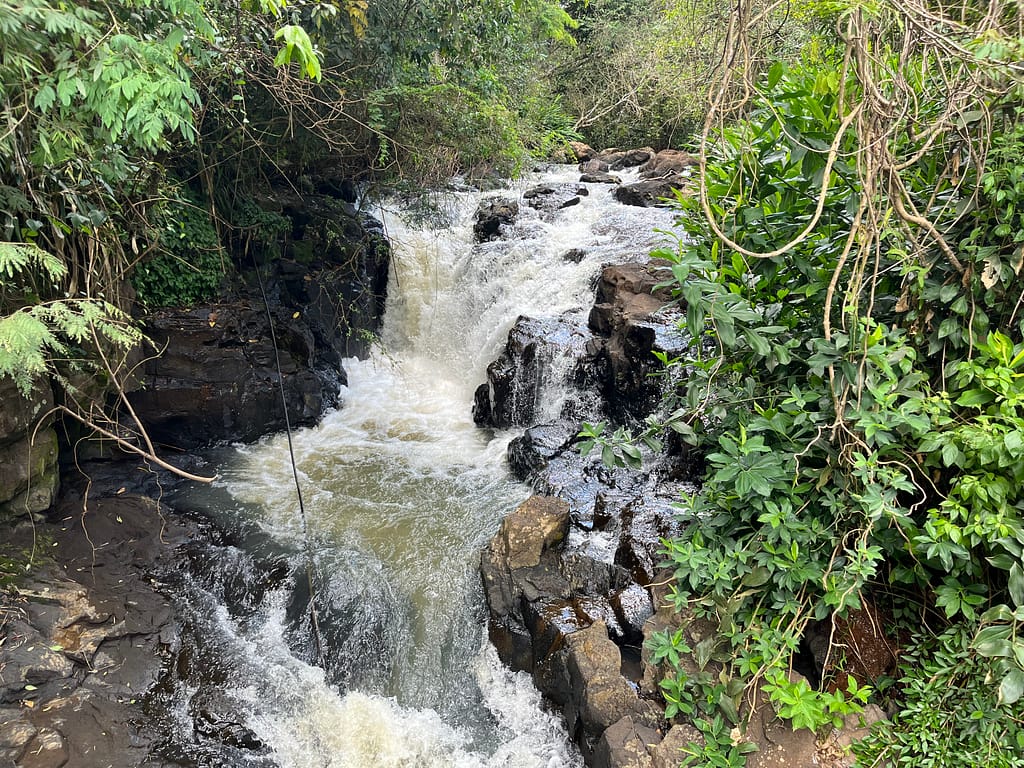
[850, 274]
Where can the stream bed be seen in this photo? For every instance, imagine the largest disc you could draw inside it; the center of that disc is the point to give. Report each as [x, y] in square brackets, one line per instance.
[401, 491]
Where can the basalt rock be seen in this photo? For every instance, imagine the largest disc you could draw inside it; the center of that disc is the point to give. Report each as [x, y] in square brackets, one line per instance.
[633, 320]
[520, 568]
[549, 198]
[583, 152]
[78, 654]
[651, 192]
[594, 165]
[668, 162]
[28, 450]
[540, 358]
[336, 276]
[618, 160]
[491, 215]
[217, 378]
[592, 177]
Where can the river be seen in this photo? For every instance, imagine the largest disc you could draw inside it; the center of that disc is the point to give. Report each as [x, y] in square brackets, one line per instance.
[401, 492]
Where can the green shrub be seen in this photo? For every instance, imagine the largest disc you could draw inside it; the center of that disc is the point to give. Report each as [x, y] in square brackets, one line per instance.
[189, 264]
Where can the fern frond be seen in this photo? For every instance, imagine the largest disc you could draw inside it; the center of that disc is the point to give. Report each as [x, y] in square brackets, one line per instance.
[17, 258]
[26, 342]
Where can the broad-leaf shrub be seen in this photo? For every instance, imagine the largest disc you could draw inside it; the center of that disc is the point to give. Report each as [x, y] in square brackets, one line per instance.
[871, 458]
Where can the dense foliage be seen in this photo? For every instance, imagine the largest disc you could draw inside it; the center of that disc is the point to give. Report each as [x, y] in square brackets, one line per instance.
[850, 277]
[140, 136]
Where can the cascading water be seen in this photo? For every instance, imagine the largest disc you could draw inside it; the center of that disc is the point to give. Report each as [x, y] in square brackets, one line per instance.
[402, 491]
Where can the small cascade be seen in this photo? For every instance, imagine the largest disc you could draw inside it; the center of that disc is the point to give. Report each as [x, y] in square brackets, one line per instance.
[402, 492]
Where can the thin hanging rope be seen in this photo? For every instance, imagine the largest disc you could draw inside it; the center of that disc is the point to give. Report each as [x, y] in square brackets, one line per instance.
[314, 619]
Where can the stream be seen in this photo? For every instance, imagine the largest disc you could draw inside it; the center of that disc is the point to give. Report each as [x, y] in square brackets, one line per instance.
[401, 492]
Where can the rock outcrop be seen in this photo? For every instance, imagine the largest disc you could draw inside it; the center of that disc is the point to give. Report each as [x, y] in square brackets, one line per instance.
[79, 655]
[491, 215]
[28, 450]
[661, 175]
[634, 319]
[574, 583]
[540, 358]
[217, 379]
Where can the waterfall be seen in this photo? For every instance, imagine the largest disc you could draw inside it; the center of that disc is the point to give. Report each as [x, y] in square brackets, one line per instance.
[402, 491]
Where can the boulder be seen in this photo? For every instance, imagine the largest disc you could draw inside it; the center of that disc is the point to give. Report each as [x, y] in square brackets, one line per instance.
[626, 745]
[668, 162]
[583, 152]
[594, 166]
[28, 474]
[599, 695]
[549, 198]
[28, 450]
[519, 568]
[491, 215]
[528, 382]
[630, 158]
[538, 524]
[651, 192]
[668, 753]
[599, 178]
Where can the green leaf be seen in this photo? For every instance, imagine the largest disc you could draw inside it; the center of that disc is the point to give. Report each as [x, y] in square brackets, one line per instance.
[1012, 687]
[1016, 585]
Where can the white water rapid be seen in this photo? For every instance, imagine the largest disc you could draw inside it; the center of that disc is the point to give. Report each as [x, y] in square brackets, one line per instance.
[402, 491]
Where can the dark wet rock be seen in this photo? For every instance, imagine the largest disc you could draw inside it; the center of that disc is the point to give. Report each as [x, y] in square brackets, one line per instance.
[650, 192]
[644, 523]
[337, 278]
[217, 378]
[592, 177]
[668, 162]
[629, 158]
[626, 744]
[529, 454]
[633, 607]
[548, 198]
[215, 718]
[80, 655]
[326, 285]
[635, 319]
[596, 608]
[520, 382]
[574, 255]
[491, 214]
[28, 450]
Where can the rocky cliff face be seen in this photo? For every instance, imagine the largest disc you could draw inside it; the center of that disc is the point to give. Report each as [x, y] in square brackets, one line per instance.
[217, 379]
